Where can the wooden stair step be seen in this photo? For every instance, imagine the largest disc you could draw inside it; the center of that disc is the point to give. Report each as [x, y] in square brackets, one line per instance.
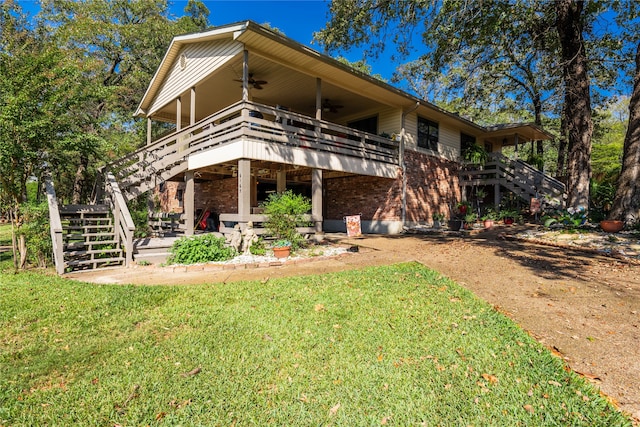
[80, 245]
[77, 253]
[88, 227]
[74, 263]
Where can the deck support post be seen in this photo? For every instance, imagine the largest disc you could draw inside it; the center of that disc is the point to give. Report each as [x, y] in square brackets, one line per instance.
[496, 195]
[178, 113]
[192, 107]
[189, 203]
[244, 191]
[316, 199]
[281, 181]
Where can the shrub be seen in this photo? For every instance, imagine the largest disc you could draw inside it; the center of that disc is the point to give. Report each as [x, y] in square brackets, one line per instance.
[285, 211]
[258, 248]
[36, 231]
[197, 249]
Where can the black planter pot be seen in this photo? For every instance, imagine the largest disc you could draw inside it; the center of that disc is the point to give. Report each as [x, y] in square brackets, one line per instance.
[454, 224]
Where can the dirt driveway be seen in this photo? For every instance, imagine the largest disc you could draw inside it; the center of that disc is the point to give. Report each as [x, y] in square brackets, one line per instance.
[583, 306]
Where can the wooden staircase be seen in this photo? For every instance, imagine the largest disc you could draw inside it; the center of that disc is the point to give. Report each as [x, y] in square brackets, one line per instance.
[518, 177]
[89, 238]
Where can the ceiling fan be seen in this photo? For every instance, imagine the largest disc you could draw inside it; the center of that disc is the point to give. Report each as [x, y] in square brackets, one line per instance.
[329, 107]
[257, 84]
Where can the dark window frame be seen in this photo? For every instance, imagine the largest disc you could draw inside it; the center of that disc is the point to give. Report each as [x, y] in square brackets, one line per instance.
[428, 134]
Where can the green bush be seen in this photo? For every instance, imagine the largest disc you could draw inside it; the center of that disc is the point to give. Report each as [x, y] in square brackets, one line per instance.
[284, 213]
[258, 248]
[36, 231]
[197, 249]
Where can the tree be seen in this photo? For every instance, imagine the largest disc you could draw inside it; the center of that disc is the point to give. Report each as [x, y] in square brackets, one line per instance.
[118, 45]
[577, 100]
[626, 204]
[37, 90]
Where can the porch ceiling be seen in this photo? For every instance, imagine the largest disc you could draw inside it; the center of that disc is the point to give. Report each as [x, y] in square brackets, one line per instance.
[286, 86]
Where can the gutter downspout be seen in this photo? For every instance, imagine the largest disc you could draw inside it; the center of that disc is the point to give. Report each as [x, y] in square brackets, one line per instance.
[403, 166]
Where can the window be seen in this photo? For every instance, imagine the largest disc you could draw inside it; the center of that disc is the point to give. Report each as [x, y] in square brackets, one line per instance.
[466, 141]
[369, 125]
[427, 134]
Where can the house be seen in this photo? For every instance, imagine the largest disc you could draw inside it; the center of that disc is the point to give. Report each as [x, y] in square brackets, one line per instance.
[245, 111]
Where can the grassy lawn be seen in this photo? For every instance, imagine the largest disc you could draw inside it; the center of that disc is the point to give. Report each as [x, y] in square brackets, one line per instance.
[397, 345]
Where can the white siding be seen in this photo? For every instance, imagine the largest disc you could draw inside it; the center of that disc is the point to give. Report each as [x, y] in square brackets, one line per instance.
[448, 137]
[389, 121]
[202, 59]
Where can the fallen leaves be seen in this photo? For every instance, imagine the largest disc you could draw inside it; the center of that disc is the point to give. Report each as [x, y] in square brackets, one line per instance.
[334, 409]
[491, 379]
[192, 372]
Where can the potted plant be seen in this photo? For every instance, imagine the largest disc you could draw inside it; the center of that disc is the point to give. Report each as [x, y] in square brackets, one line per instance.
[488, 219]
[281, 248]
[475, 154]
[286, 211]
[463, 207]
[508, 216]
[437, 219]
[470, 219]
[611, 225]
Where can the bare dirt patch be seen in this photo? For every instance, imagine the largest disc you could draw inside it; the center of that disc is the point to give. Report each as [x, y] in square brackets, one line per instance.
[583, 305]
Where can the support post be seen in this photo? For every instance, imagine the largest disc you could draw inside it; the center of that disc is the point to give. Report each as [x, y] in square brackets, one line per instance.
[281, 181]
[496, 195]
[318, 98]
[316, 198]
[178, 113]
[192, 107]
[244, 190]
[149, 130]
[245, 76]
[189, 203]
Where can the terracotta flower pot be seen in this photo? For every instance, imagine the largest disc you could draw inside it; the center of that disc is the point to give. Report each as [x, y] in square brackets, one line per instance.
[488, 223]
[282, 252]
[611, 226]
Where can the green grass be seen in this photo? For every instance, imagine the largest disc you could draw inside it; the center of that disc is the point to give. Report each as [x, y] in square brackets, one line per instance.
[397, 345]
[5, 234]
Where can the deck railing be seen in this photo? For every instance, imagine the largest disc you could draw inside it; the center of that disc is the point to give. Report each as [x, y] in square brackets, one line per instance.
[516, 175]
[55, 225]
[146, 167]
[123, 223]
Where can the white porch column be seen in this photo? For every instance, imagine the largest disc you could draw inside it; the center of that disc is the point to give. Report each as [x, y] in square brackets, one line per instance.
[316, 198]
[192, 107]
[318, 98]
[281, 181]
[244, 189]
[178, 113]
[148, 130]
[189, 203]
[245, 76]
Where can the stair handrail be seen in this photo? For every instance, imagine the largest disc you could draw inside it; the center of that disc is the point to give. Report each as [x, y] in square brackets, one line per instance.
[520, 167]
[122, 217]
[55, 224]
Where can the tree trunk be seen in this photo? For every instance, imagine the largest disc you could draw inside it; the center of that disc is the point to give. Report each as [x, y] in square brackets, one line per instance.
[577, 101]
[537, 109]
[562, 148]
[22, 247]
[14, 242]
[78, 183]
[626, 204]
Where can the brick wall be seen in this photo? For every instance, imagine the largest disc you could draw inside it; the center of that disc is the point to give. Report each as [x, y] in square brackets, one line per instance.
[375, 198]
[432, 185]
[220, 196]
